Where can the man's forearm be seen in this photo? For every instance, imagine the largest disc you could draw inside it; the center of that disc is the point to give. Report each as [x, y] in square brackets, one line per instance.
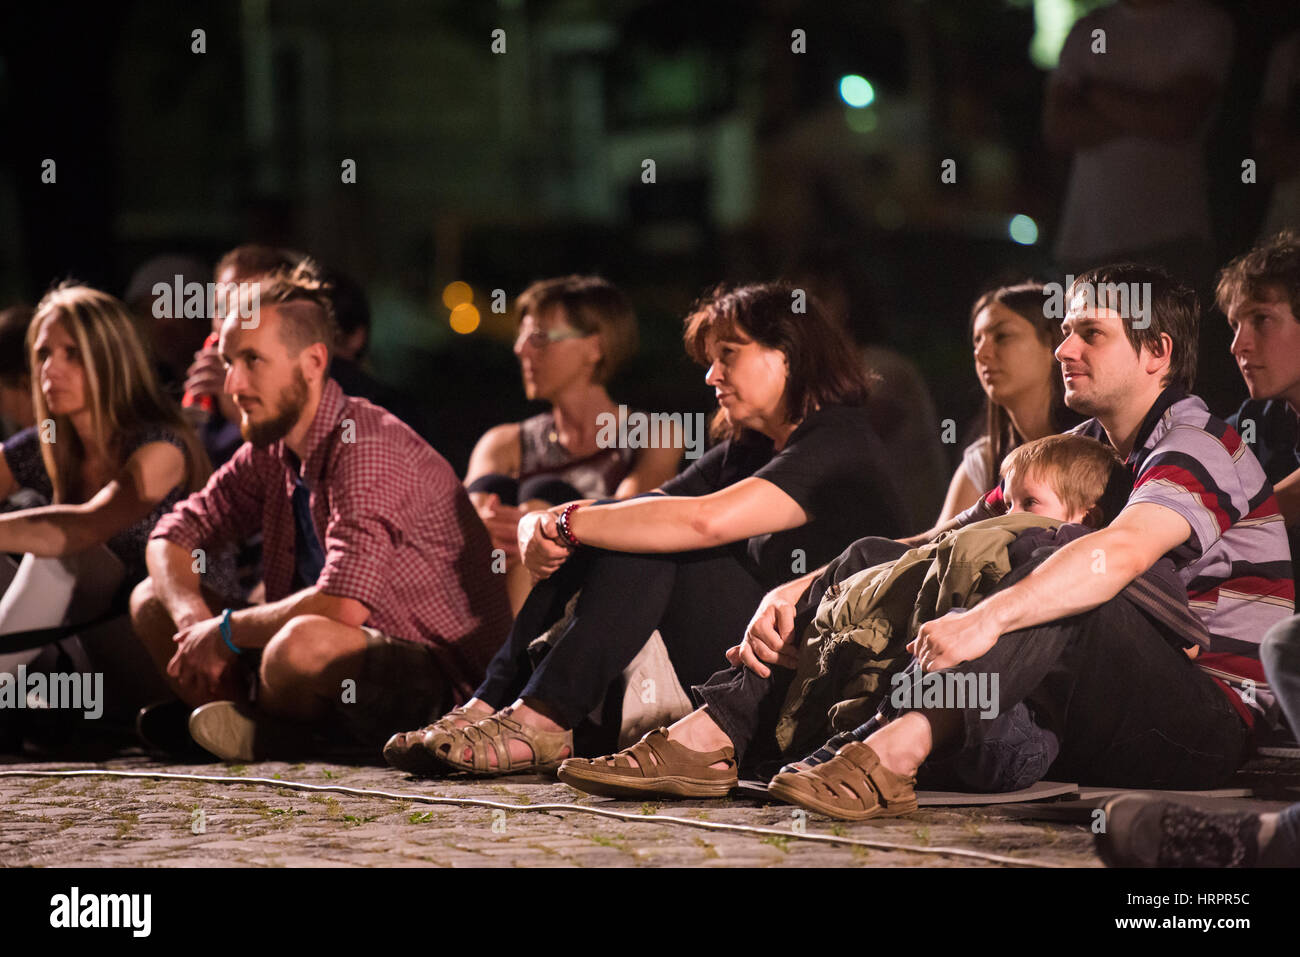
[176, 583]
[1077, 578]
[793, 590]
[254, 627]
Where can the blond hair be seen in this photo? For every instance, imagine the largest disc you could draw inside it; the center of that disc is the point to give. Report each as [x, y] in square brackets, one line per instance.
[121, 387]
[1078, 468]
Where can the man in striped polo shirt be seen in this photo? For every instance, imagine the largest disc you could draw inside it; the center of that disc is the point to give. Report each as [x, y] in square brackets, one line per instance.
[1128, 708]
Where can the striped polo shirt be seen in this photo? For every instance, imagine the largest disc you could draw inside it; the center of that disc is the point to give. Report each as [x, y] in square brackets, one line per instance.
[1236, 564]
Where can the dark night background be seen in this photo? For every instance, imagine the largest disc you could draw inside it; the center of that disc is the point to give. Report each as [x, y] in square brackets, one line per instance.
[500, 169]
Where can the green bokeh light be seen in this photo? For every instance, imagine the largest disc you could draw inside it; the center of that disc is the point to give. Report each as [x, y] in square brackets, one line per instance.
[1023, 230]
[856, 91]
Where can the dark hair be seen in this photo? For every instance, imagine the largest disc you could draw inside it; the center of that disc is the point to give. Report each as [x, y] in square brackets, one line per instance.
[351, 307]
[1025, 299]
[1260, 273]
[825, 366]
[1173, 311]
[593, 306]
[15, 368]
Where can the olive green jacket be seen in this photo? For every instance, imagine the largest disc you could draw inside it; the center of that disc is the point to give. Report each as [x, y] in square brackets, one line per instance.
[859, 636]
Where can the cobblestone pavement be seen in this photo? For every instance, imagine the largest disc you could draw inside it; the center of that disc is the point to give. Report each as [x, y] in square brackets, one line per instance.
[111, 822]
[50, 822]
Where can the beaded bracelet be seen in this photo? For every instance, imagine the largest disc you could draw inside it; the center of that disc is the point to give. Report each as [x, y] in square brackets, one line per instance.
[562, 525]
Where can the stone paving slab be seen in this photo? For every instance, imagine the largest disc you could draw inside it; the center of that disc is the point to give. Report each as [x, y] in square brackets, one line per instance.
[132, 822]
[153, 822]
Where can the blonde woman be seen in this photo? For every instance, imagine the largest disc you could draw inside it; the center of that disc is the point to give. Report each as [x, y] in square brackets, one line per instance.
[109, 452]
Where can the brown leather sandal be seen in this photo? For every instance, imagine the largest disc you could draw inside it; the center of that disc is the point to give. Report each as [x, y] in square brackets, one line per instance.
[855, 770]
[496, 732]
[663, 767]
[406, 752]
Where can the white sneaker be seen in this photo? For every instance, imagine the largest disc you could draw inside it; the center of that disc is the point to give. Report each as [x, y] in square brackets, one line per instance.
[222, 728]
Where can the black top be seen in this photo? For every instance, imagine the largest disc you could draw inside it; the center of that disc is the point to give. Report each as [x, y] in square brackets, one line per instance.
[833, 465]
[22, 452]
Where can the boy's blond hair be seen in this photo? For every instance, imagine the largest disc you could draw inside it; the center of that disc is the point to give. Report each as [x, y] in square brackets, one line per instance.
[1079, 469]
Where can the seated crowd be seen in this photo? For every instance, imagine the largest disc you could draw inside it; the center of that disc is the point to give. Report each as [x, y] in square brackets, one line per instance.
[1111, 569]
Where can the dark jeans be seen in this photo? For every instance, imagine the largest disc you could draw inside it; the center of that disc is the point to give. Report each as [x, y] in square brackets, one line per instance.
[1128, 709]
[511, 491]
[1100, 698]
[700, 601]
[745, 706]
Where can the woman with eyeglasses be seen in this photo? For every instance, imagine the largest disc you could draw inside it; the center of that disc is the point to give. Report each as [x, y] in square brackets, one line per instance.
[573, 333]
[797, 474]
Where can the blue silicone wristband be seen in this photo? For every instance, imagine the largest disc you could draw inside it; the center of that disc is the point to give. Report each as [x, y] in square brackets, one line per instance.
[225, 633]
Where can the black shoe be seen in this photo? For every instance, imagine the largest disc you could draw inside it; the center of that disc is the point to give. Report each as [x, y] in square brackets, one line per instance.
[1145, 831]
[163, 728]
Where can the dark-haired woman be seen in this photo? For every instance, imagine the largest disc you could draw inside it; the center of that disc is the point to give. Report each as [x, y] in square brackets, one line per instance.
[797, 476]
[1015, 345]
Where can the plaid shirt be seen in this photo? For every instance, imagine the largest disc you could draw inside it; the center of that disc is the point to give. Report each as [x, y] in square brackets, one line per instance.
[400, 535]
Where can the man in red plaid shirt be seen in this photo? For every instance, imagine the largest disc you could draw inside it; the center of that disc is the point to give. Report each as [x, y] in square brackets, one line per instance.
[382, 609]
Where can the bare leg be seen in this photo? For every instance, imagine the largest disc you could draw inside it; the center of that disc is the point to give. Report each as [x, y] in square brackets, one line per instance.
[305, 664]
[154, 628]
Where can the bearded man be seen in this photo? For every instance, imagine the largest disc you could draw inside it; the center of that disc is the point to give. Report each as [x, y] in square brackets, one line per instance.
[381, 610]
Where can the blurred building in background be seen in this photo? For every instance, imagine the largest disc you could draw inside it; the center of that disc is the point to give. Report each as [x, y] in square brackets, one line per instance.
[784, 137]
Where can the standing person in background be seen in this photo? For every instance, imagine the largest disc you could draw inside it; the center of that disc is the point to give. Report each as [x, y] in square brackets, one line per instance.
[1132, 100]
[1277, 135]
[574, 332]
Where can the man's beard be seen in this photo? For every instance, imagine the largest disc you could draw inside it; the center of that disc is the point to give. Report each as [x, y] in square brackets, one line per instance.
[288, 407]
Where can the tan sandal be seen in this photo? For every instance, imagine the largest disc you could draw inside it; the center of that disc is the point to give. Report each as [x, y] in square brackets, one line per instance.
[855, 770]
[663, 767]
[496, 732]
[406, 752]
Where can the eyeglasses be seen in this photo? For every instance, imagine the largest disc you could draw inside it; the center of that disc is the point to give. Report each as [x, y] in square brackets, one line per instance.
[541, 338]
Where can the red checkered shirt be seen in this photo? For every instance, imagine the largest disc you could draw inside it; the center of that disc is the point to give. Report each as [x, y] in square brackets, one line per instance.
[400, 535]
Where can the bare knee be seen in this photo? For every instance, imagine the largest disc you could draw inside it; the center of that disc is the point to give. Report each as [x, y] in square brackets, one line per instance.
[305, 647]
[149, 616]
